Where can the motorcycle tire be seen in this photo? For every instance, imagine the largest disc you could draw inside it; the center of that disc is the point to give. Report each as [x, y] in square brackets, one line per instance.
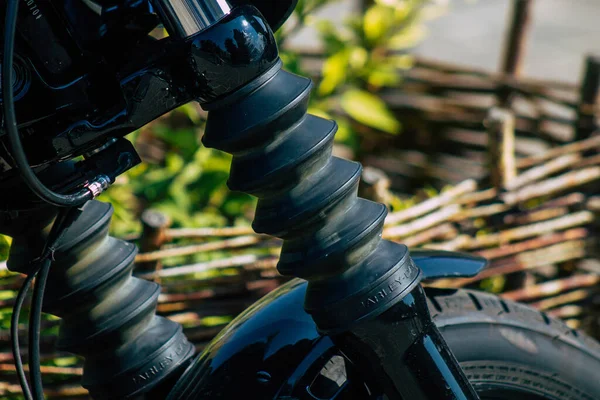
[511, 351]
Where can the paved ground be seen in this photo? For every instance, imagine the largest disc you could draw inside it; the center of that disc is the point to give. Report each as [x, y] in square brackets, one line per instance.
[472, 34]
[563, 32]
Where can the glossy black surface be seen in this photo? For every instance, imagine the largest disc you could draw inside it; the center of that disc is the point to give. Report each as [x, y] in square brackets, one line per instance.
[276, 12]
[79, 87]
[77, 90]
[276, 336]
[229, 55]
[438, 264]
[255, 355]
[403, 352]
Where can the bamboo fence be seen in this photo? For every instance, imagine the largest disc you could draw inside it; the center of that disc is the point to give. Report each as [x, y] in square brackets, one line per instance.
[519, 161]
[539, 233]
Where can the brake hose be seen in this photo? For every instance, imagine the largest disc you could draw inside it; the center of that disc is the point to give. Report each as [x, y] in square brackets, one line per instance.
[30, 178]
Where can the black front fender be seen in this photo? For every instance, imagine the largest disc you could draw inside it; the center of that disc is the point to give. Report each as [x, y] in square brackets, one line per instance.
[438, 264]
[274, 349]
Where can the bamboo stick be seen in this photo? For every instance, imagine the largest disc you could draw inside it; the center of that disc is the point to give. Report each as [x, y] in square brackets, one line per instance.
[454, 114]
[420, 81]
[516, 39]
[208, 232]
[515, 44]
[590, 265]
[589, 90]
[217, 293]
[422, 223]
[443, 231]
[553, 287]
[46, 369]
[481, 211]
[567, 298]
[532, 244]
[542, 171]
[246, 260]
[540, 257]
[554, 254]
[535, 216]
[552, 185]
[568, 200]
[589, 161]
[500, 125]
[458, 243]
[566, 312]
[592, 143]
[454, 68]
[204, 294]
[538, 228]
[574, 324]
[44, 357]
[432, 204]
[469, 198]
[241, 241]
[524, 146]
[593, 204]
[154, 225]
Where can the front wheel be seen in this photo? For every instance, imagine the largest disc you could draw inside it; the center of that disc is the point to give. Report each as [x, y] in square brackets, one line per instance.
[508, 351]
[511, 351]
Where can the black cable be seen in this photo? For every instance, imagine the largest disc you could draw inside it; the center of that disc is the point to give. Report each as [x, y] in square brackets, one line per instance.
[14, 333]
[61, 200]
[35, 321]
[61, 223]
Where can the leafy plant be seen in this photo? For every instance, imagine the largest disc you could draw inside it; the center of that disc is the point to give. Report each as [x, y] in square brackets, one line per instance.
[186, 181]
[367, 53]
[4, 247]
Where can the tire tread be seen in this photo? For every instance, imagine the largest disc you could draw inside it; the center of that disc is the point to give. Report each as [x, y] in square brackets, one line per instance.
[455, 307]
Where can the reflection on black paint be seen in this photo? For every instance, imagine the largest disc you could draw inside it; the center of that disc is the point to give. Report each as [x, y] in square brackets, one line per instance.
[231, 54]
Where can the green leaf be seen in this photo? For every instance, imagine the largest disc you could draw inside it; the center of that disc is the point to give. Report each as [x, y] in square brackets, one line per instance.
[383, 76]
[7, 294]
[291, 62]
[65, 361]
[4, 247]
[216, 320]
[330, 36]
[334, 72]
[370, 110]
[407, 38]
[319, 113]
[192, 111]
[378, 21]
[403, 61]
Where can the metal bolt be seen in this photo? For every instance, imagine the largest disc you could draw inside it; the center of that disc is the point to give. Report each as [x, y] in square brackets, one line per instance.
[263, 377]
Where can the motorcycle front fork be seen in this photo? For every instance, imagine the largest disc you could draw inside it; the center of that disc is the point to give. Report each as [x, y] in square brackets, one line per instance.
[362, 290]
[403, 353]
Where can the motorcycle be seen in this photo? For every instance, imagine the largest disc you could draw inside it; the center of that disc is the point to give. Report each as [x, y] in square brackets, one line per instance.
[79, 75]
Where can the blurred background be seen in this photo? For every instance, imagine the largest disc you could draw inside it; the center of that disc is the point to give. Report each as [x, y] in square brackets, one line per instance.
[475, 121]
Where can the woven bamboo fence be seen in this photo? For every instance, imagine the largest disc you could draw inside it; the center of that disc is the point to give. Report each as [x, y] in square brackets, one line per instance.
[519, 161]
[448, 112]
[540, 234]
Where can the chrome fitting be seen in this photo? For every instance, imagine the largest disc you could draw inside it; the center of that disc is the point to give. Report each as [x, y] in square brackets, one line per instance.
[185, 18]
[98, 185]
